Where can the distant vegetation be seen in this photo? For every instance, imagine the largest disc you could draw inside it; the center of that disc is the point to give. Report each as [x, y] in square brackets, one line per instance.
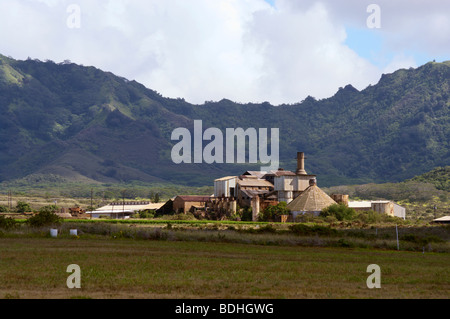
[68, 123]
[425, 197]
[439, 177]
[154, 192]
[69, 132]
[318, 234]
[419, 195]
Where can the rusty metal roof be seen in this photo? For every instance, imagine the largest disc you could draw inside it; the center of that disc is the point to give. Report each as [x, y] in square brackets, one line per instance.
[285, 173]
[280, 172]
[254, 183]
[258, 174]
[195, 198]
[253, 193]
[225, 178]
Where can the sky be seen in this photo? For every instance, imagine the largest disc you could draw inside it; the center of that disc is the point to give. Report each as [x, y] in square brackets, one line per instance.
[279, 51]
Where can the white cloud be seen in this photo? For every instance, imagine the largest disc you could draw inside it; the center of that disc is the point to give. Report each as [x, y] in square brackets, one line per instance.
[243, 50]
[400, 61]
[304, 54]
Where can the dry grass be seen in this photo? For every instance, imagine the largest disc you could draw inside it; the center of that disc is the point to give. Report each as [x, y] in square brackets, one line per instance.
[111, 269]
[38, 202]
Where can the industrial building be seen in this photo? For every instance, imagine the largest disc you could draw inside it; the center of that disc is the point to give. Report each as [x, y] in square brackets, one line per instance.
[122, 210]
[259, 189]
[442, 220]
[381, 206]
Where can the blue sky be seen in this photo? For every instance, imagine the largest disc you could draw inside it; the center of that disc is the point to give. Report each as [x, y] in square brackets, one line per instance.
[370, 44]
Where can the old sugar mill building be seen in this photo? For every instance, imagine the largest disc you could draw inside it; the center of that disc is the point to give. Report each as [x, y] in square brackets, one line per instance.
[257, 190]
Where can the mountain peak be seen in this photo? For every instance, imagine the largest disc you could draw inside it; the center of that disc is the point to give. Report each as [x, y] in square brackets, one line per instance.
[349, 88]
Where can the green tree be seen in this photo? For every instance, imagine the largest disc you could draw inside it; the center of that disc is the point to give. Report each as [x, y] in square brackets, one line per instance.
[146, 214]
[7, 223]
[51, 208]
[46, 216]
[341, 212]
[272, 212]
[22, 207]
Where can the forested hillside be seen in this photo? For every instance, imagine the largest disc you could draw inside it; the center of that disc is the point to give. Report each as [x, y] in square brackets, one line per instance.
[86, 125]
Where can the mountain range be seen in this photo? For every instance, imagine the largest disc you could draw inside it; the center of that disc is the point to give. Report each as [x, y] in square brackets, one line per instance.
[71, 122]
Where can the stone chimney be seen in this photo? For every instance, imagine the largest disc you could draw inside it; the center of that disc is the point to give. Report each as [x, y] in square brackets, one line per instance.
[301, 164]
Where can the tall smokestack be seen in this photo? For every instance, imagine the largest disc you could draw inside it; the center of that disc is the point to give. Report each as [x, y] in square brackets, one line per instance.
[301, 164]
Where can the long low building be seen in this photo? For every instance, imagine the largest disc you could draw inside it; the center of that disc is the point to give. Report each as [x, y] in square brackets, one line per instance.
[442, 220]
[120, 210]
[380, 206]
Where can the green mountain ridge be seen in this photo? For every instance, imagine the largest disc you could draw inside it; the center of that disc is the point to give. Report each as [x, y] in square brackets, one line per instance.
[439, 177]
[87, 125]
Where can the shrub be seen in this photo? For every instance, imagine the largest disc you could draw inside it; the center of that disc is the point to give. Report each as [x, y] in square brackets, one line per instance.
[361, 234]
[306, 218]
[43, 218]
[330, 219]
[247, 214]
[146, 214]
[421, 240]
[264, 229]
[341, 212]
[22, 207]
[344, 243]
[272, 212]
[7, 223]
[187, 216]
[433, 239]
[267, 229]
[49, 208]
[301, 229]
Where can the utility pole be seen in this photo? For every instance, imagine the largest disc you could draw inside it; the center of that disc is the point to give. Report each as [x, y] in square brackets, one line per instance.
[123, 201]
[92, 208]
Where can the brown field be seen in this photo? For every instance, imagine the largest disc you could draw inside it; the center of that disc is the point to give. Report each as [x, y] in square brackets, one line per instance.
[35, 268]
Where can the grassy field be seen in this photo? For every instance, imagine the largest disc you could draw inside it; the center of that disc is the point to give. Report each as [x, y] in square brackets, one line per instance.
[179, 259]
[35, 268]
